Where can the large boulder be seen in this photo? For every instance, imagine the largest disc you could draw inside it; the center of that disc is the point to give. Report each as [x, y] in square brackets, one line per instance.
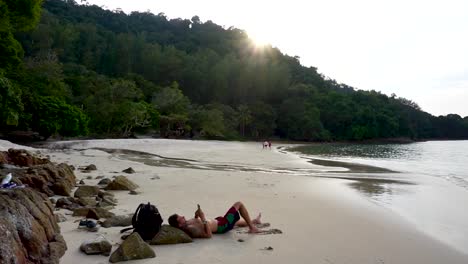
[170, 235]
[29, 229]
[132, 248]
[121, 183]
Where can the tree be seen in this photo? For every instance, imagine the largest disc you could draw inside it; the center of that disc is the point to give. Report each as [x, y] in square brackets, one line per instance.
[244, 118]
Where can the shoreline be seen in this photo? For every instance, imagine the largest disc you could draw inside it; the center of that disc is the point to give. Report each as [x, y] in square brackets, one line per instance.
[323, 220]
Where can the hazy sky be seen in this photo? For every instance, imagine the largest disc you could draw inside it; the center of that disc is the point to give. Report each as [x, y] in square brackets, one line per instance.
[415, 49]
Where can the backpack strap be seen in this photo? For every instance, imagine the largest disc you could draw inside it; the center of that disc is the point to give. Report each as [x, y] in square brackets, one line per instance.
[134, 218]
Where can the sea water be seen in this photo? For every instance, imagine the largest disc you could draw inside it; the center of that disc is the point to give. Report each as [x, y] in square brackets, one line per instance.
[432, 187]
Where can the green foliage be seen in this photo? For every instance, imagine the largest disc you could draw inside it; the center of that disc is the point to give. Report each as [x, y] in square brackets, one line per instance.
[10, 102]
[53, 116]
[143, 72]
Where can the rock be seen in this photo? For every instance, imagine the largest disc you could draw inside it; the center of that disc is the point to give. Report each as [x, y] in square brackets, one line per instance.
[93, 213]
[81, 182]
[89, 177]
[133, 192]
[240, 240]
[118, 220]
[170, 235]
[21, 158]
[121, 183]
[132, 248]
[69, 203]
[90, 167]
[155, 178]
[86, 191]
[29, 229]
[267, 248]
[129, 170]
[53, 200]
[99, 177]
[87, 201]
[48, 178]
[97, 246]
[104, 181]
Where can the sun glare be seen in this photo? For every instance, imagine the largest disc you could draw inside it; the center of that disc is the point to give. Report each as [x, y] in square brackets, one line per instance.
[259, 37]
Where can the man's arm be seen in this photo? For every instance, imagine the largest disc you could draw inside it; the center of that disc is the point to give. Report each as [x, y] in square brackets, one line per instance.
[206, 226]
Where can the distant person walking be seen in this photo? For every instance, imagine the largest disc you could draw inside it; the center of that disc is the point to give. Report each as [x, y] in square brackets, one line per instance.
[269, 144]
[265, 144]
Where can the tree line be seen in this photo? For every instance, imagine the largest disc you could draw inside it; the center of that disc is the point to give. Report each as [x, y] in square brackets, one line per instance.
[72, 69]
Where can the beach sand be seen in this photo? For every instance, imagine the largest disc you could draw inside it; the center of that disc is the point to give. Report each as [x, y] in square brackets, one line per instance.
[322, 220]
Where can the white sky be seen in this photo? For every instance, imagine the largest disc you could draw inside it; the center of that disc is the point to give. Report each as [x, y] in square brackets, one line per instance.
[417, 49]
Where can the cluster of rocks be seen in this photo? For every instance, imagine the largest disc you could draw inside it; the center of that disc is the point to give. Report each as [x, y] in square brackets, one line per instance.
[27, 221]
[29, 225]
[93, 202]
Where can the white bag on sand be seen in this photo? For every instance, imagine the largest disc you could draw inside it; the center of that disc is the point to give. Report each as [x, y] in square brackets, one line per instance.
[7, 179]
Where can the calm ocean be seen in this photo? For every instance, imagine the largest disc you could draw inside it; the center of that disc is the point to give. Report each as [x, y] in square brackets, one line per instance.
[433, 192]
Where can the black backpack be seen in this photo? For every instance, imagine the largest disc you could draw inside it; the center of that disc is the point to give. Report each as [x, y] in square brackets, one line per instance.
[146, 221]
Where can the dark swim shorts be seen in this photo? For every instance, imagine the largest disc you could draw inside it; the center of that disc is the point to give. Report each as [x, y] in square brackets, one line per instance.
[227, 222]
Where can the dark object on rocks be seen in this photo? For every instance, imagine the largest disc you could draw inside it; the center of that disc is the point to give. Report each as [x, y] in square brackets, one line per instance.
[93, 213]
[29, 229]
[129, 170]
[170, 235]
[132, 248]
[104, 181]
[121, 183]
[98, 246]
[89, 225]
[146, 221]
[118, 220]
[81, 182]
[86, 191]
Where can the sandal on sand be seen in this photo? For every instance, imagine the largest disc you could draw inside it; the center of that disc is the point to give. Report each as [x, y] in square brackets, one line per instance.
[88, 224]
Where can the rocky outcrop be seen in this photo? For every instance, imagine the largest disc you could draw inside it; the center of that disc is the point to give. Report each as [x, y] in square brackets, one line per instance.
[170, 235]
[118, 220]
[132, 248]
[41, 174]
[21, 158]
[29, 229]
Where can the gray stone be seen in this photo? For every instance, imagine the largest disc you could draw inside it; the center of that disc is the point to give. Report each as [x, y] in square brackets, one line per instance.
[93, 213]
[60, 218]
[104, 181]
[86, 191]
[98, 246]
[121, 183]
[170, 235]
[129, 170]
[132, 248]
[118, 220]
[87, 201]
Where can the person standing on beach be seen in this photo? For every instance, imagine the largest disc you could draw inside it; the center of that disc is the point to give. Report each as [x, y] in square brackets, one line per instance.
[199, 227]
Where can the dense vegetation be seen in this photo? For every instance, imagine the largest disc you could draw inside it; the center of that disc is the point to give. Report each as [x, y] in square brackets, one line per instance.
[82, 70]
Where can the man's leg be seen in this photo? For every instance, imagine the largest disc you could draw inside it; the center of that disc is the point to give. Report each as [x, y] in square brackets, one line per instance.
[255, 221]
[245, 214]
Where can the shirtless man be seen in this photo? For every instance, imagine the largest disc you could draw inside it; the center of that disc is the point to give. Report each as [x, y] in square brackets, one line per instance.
[199, 227]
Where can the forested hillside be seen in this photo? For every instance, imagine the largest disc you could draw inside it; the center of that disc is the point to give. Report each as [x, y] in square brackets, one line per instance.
[83, 70]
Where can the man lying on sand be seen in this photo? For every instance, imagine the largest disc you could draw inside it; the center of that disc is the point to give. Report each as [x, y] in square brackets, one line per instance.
[199, 227]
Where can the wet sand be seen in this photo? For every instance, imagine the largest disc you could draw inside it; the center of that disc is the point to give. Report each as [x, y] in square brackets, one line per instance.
[322, 219]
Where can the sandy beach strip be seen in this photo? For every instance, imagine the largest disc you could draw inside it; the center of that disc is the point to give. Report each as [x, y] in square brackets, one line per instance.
[322, 220]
